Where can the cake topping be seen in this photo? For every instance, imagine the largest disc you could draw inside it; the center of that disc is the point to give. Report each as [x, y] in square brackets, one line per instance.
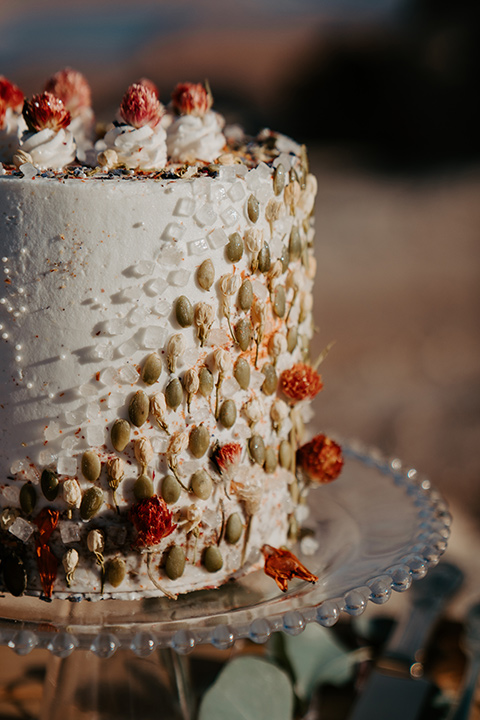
[152, 520]
[72, 88]
[46, 111]
[10, 95]
[192, 99]
[12, 124]
[321, 459]
[197, 133]
[140, 106]
[282, 566]
[300, 382]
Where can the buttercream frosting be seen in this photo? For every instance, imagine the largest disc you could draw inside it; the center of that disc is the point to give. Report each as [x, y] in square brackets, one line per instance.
[191, 137]
[49, 148]
[137, 148]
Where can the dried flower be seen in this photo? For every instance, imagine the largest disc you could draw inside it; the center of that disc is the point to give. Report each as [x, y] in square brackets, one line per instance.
[279, 413]
[158, 408]
[191, 383]
[192, 99]
[291, 195]
[143, 452]
[259, 319]
[140, 107]
[72, 493]
[96, 542]
[72, 88]
[247, 485]
[10, 96]
[223, 362]
[274, 273]
[273, 212]
[254, 242]
[115, 472]
[20, 157]
[177, 444]
[152, 520]
[227, 458]
[229, 285]
[175, 348]
[321, 459]
[204, 315]
[300, 381]
[46, 521]
[45, 111]
[150, 85]
[70, 562]
[277, 345]
[282, 566]
[253, 410]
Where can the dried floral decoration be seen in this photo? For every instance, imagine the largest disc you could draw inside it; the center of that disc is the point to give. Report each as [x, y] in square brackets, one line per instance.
[227, 457]
[321, 459]
[282, 566]
[192, 99]
[300, 382]
[45, 111]
[47, 563]
[140, 107]
[10, 95]
[72, 88]
[152, 521]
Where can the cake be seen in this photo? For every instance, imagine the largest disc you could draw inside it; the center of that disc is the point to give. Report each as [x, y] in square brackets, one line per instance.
[154, 322]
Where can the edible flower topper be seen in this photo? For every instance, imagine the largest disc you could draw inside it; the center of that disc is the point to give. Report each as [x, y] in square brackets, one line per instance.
[300, 382]
[227, 457]
[10, 95]
[152, 520]
[321, 459]
[140, 106]
[282, 566]
[72, 88]
[192, 99]
[3, 112]
[45, 111]
[47, 563]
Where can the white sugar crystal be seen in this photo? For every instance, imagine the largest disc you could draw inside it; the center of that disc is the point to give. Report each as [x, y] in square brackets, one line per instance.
[2, 170]
[137, 316]
[117, 535]
[260, 290]
[253, 181]
[69, 442]
[154, 336]
[114, 326]
[114, 400]
[197, 247]
[236, 192]
[170, 255]
[128, 375]
[217, 193]
[128, 348]
[211, 518]
[190, 356]
[179, 278]
[67, 466]
[75, 417]
[144, 267]
[162, 307]
[52, 431]
[276, 245]
[256, 379]
[217, 337]
[95, 435]
[202, 414]
[284, 159]
[243, 431]
[18, 466]
[29, 171]
[155, 287]
[185, 207]
[160, 444]
[21, 528]
[201, 187]
[88, 390]
[11, 493]
[229, 216]
[129, 294]
[217, 239]
[229, 387]
[206, 215]
[69, 532]
[31, 474]
[93, 411]
[103, 350]
[308, 545]
[241, 170]
[173, 231]
[109, 376]
[264, 193]
[263, 171]
[227, 173]
[190, 466]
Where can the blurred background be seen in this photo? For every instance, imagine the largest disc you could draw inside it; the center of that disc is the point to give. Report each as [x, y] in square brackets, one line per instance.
[384, 93]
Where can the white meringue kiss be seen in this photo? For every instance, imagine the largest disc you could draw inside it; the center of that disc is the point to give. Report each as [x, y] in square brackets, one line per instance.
[144, 148]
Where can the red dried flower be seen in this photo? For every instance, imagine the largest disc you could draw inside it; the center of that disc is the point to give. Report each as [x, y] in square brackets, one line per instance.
[3, 112]
[300, 381]
[140, 107]
[191, 99]
[72, 88]
[11, 95]
[152, 520]
[227, 457]
[47, 568]
[321, 459]
[282, 566]
[45, 111]
[46, 521]
[150, 85]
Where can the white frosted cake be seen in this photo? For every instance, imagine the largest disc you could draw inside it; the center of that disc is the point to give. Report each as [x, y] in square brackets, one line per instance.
[154, 322]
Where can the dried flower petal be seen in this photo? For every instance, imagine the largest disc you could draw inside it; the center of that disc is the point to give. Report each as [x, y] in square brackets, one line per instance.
[282, 566]
[140, 107]
[300, 381]
[321, 459]
[227, 457]
[45, 111]
[46, 521]
[47, 568]
[192, 99]
[72, 88]
[143, 451]
[10, 95]
[152, 520]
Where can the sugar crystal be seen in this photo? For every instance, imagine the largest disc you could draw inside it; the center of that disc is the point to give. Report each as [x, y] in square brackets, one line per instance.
[22, 529]
[173, 231]
[170, 255]
[155, 286]
[264, 193]
[206, 215]
[52, 431]
[154, 336]
[109, 376]
[201, 187]
[93, 411]
[179, 278]
[29, 171]
[144, 267]
[128, 375]
[69, 532]
[95, 435]
[103, 350]
[160, 444]
[217, 193]
[260, 290]
[18, 466]
[162, 307]
[75, 417]
[217, 239]
[217, 337]
[284, 159]
[185, 207]
[114, 400]
[128, 348]
[45, 457]
[197, 247]
[69, 442]
[137, 316]
[257, 379]
[227, 173]
[11, 493]
[129, 294]
[87, 390]
[236, 192]
[67, 465]
[114, 326]
[229, 387]
[229, 216]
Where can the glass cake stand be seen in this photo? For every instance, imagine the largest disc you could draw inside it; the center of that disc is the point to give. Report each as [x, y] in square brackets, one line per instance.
[379, 527]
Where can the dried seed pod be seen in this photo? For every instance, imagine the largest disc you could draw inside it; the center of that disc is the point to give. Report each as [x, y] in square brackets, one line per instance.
[253, 210]
[256, 447]
[201, 484]
[228, 413]
[152, 369]
[271, 461]
[92, 501]
[72, 493]
[70, 562]
[233, 529]
[206, 382]
[241, 373]
[273, 212]
[91, 466]
[279, 179]
[138, 408]
[244, 333]
[191, 384]
[204, 316]
[49, 484]
[199, 441]
[285, 455]
[14, 574]
[292, 194]
[174, 393]
[171, 489]
[295, 244]
[28, 498]
[175, 562]
[212, 559]
[120, 434]
[245, 295]
[253, 411]
[143, 488]
[158, 408]
[115, 472]
[176, 346]
[206, 274]
[115, 571]
[143, 452]
[264, 259]
[234, 249]
[279, 301]
[292, 336]
[184, 311]
[96, 541]
[270, 383]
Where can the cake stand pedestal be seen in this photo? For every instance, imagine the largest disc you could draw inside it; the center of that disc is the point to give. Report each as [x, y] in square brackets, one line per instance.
[378, 528]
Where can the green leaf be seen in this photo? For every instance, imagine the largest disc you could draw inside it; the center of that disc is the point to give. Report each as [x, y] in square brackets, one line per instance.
[248, 688]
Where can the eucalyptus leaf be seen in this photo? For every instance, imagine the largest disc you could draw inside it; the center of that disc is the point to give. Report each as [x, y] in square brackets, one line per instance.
[248, 688]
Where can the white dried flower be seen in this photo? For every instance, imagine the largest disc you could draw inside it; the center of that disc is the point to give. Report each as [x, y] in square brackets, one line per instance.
[223, 361]
[253, 410]
[230, 283]
[294, 280]
[70, 562]
[158, 408]
[298, 426]
[274, 273]
[279, 413]
[96, 541]
[115, 472]
[248, 487]
[8, 517]
[277, 345]
[178, 443]
[204, 315]
[273, 212]
[72, 493]
[259, 319]
[175, 348]
[143, 452]
[291, 195]
[254, 240]
[191, 383]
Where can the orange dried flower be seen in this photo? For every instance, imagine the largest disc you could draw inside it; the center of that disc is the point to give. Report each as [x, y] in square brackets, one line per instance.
[300, 381]
[46, 521]
[152, 520]
[191, 99]
[140, 107]
[45, 111]
[282, 566]
[321, 459]
[11, 95]
[72, 88]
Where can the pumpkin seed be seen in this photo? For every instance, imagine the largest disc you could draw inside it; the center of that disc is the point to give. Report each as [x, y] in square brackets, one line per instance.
[285, 258]
[212, 559]
[271, 461]
[28, 498]
[279, 301]
[270, 383]
[285, 455]
[233, 529]
[184, 311]
[228, 413]
[295, 244]
[201, 484]
[278, 179]
[91, 466]
[244, 333]
[175, 563]
[206, 274]
[256, 447]
[115, 571]
[49, 484]
[92, 501]
[198, 441]
[264, 258]
[120, 434]
[253, 210]
[245, 295]
[14, 574]
[241, 373]
[138, 408]
[171, 489]
[292, 336]
[152, 369]
[174, 393]
[207, 382]
[143, 488]
[234, 249]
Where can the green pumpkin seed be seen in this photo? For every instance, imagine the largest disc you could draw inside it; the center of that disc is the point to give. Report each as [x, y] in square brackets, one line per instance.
[253, 210]
[212, 559]
[152, 369]
[14, 574]
[292, 175]
[28, 498]
[305, 167]
[139, 408]
[92, 501]
[184, 311]
[285, 258]
[206, 274]
[241, 373]
[49, 484]
[256, 447]
[278, 179]
[201, 484]
[206, 381]
[295, 244]
[120, 434]
[270, 383]
[271, 461]
[244, 333]
[174, 393]
[245, 295]
[279, 301]
[143, 488]
[198, 441]
[175, 563]
[233, 529]
[292, 336]
[91, 466]
[264, 258]
[285, 455]
[234, 249]
[171, 489]
[228, 413]
[115, 571]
